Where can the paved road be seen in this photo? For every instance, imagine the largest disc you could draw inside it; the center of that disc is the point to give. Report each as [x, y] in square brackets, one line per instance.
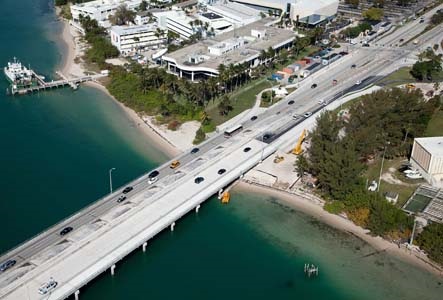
[275, 121]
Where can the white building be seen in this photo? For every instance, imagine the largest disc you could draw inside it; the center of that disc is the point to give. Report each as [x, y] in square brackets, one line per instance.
[226, 46]
[312, 9]
[176, 21]
[100, 10]
[427, 158]
[236, 14]
[129, 39]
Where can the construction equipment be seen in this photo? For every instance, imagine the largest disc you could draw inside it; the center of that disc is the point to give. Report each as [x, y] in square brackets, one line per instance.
[297, 150]
[278, 159]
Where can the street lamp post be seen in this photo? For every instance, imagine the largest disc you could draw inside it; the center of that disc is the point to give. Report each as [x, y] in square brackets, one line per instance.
[381, 167]
[263, 148]
[110, 179]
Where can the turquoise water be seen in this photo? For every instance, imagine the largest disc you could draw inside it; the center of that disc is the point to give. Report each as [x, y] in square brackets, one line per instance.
[56, 150]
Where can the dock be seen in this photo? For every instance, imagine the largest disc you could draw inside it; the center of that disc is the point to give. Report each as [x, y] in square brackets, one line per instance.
[43, 85]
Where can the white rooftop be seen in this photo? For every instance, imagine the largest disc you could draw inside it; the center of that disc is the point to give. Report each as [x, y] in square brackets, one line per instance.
[104, 3]
[124, 30]
[434, 145]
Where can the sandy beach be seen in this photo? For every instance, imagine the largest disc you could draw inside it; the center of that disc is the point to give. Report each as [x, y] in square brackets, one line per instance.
[338, 222]
[72, 66]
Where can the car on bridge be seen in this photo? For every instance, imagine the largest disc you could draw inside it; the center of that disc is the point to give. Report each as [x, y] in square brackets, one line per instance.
[291, 102]
[199, 180]
[48, 286]
[66, 230]
[253, 118]
[295, 117]
[127, 189]
[152, 177]
[121, 199]
[307, 114]
[193, 151]
[313, 86]
[221, 171]
[7, 264]
[175, 164]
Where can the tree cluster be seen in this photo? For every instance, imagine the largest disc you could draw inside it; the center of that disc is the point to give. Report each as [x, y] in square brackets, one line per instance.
[431, 240]
[437, 18]
[339, 148]
[122, 16]
[101, 48]
[373, 14]
[353, 32]
[428, 65]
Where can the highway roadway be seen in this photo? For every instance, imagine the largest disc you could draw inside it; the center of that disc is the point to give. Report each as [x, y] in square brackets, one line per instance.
[275, 121]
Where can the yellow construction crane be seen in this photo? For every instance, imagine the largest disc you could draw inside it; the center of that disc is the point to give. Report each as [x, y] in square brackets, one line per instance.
[297, 149]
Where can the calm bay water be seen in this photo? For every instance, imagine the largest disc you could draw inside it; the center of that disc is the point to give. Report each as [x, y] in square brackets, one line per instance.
[56, 150]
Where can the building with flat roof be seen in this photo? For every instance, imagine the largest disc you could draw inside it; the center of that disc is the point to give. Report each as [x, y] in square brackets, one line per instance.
[427, 158]
[201, 60]
[129, 39]
[310, 11]
[100, 10]
[176, 21]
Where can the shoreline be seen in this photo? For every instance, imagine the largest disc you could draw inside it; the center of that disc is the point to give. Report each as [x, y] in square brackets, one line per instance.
[69, 67]
[340, 223]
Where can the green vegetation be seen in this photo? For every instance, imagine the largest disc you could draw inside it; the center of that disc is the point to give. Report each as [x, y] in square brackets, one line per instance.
[122, 16]
[401, 76]
[353, 32]
[435, 126]
[101, 48]
[428, 66]
[431, 240]
[382, 123]
[373, 14]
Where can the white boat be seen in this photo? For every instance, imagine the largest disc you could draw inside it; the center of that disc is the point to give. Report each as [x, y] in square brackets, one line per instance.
[17, 73]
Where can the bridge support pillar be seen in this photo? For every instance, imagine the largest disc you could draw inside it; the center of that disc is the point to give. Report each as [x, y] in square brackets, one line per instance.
[112, 270]
[77, 294]
[197, 208]
[144, 246]
[172, 226]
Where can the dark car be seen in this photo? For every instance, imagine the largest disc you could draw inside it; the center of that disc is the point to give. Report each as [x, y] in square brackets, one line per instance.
[291, 102]
[198, 180]
[153, 174]
[401, 40]
[267, 136]
[421, 21]
[127, 189]
[7, 264]
[66, 230]
[221, 171]
[353, 66]
[193, 151]
[253, 118]
[247, 149]
[366, 45]
[121, 199]
[313, 86]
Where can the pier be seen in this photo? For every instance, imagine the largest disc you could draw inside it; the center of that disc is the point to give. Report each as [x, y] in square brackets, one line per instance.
[43, 85]
[311, 270]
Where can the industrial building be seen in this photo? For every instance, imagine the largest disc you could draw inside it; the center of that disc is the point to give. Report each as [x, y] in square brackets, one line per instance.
[129, 39]
[427, 158]
[201, 60]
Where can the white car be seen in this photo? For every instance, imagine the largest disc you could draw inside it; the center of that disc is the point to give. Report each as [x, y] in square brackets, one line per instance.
[358, 82]
[152, 180]
[414, 176]
[295, 117]
[48, 286]
[409, 171]
[307, 114]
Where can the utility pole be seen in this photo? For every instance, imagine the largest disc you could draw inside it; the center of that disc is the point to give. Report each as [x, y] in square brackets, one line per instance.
[381, 167]
[110, 179]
